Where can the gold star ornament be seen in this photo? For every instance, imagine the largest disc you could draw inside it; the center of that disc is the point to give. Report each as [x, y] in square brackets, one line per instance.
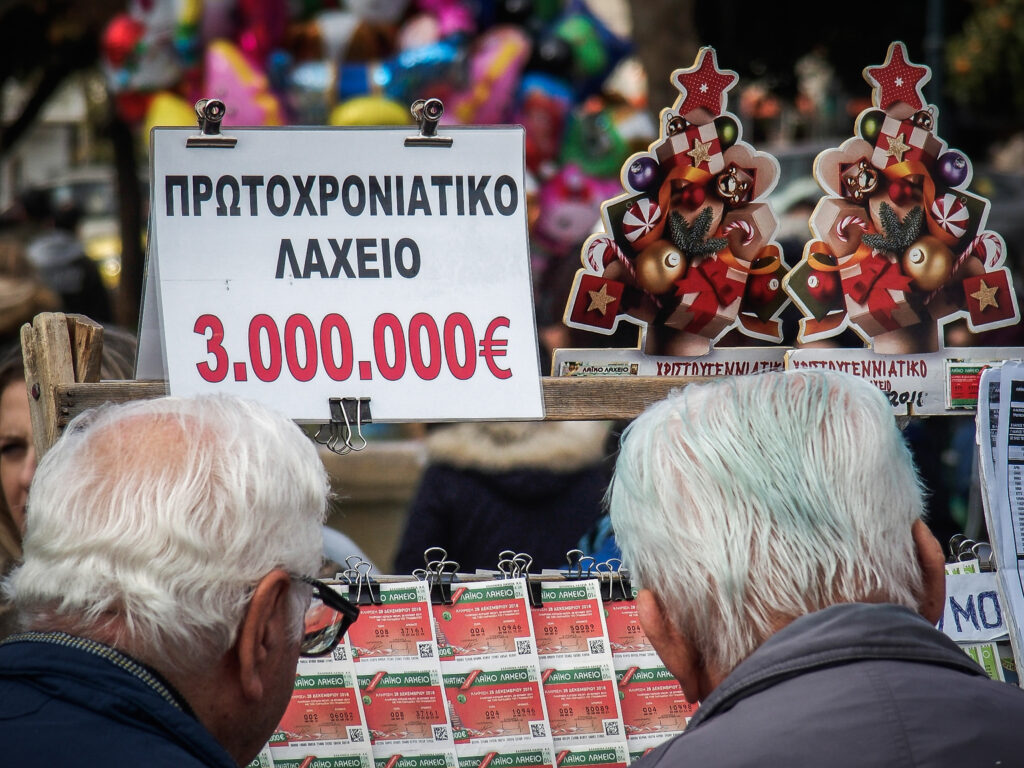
[897, 147]
[700, 152]
[600, 300]
[986, 297]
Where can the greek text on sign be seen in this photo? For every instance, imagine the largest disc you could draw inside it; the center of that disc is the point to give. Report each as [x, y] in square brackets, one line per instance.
[306, 264]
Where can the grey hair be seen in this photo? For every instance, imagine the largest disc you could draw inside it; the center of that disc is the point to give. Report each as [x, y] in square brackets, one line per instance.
[750, 501]
[156, 519]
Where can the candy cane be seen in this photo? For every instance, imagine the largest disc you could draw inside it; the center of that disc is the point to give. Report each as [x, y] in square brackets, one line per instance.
[740, 224]
[845, 222]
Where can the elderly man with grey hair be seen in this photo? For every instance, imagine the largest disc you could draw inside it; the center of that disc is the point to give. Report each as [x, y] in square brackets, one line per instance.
[791, 585]
[168, 564]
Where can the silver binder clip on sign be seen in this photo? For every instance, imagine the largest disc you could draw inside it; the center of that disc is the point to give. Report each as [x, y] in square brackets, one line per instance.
[209, 113]
[427, 113]
[344, 432]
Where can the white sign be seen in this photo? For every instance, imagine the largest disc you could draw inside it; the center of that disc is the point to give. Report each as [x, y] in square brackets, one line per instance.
[306, 264]
[973, 612]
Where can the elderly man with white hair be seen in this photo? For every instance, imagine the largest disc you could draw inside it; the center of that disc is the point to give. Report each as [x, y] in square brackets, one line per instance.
[168, 565]
[775, 522]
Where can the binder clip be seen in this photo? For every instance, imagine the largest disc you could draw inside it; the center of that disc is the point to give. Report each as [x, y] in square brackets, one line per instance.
[357, 576]
[617, 578]
[427, 112]
[439, 574]
[345, 412]
[513, 565]
[577, 560]
[209, 113]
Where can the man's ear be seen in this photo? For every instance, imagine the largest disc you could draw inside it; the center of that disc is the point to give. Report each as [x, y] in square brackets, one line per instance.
[264, 631]
[933, 572]
[674, 648]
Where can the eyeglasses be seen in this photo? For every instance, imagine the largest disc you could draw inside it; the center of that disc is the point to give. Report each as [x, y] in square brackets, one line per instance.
[327, 619]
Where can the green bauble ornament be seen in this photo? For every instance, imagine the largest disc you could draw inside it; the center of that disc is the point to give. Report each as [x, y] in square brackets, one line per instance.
[871, 125]
[728, 131]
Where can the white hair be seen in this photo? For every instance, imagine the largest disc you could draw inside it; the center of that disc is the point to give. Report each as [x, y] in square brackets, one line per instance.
[749, 501]
[157, 518]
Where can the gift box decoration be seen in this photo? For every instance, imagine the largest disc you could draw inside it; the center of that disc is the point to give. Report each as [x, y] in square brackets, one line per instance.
[990, 299]
[698, 146]
[901, 141]
[596, 301]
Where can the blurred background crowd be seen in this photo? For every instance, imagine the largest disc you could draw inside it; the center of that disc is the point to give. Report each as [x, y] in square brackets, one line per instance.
[81, 84]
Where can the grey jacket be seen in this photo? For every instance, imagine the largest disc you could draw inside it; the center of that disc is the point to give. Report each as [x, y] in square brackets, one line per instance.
[854, 685]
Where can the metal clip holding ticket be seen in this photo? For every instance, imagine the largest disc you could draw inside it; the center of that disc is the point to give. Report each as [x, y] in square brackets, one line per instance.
[363, 589]
[427, 113]
[209, 113]
[516, 565]
[614, 579]
[440, 574]
[346, 413]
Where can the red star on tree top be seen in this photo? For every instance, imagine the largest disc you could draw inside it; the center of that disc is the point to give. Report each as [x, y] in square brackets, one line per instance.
[897, 79]
[704, 84]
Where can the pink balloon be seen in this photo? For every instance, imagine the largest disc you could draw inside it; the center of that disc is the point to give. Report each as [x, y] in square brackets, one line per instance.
[244, 89]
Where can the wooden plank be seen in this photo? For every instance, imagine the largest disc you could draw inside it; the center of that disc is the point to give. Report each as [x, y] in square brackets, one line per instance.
[71, 399]
[565, 399]
[86, 347]
[595, 398]
[46, 351]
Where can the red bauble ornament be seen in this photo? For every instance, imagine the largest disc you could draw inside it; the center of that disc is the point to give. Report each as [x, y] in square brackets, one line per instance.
[120, 37]
[763, 289]
[901, 191]
[692, 196]
[824, 286]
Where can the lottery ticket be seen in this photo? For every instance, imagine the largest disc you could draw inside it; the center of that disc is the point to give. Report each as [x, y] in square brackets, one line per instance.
[582, 703]
[496, 705]
[606, 756]
[324, 705]
[320, 756]
[570, 622]
[400, 628]
[654, 708]
[405, 707]
[507, 757]
[486, 619]
[626, 637]
[440, 759]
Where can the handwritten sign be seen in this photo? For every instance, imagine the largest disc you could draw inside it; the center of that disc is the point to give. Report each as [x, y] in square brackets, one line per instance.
[973, 613]
[305, 264]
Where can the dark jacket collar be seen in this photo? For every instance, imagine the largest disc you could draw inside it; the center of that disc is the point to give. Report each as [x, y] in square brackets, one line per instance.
[840, 634]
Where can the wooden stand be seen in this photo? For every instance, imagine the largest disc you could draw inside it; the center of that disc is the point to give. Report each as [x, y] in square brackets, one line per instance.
[62, 364]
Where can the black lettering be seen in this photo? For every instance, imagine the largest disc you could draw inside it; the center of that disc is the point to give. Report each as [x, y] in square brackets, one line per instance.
[305, 195]
[202, 190]
[350, 183]
[385, 257]
[460, 197]
[314, 260]
[442, 183]
[181, 182]
[418, 197]
[380, 196]
[341, 257]
[279, 182]
[407, 270]
[252, 183]
[365, 257]
[224, 209]
[400, 194]
[286, 250]
[506, 182]
[478, 195]
[328, 192]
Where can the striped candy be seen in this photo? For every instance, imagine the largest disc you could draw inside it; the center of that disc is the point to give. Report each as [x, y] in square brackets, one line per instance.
[641, 217]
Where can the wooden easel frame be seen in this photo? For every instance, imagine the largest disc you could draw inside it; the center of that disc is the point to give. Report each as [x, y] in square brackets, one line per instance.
[62, 366]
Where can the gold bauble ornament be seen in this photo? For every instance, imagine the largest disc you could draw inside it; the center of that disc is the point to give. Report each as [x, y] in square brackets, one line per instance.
[658, 266]
[928, 263]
